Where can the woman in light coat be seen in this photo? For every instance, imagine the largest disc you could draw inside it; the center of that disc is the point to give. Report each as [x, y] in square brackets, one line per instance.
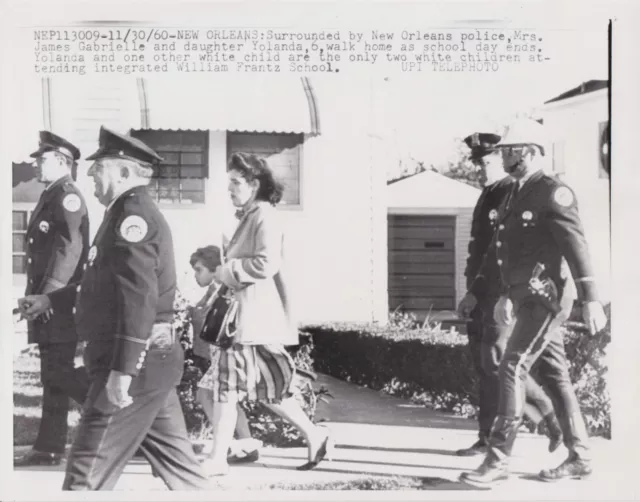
[257, 365]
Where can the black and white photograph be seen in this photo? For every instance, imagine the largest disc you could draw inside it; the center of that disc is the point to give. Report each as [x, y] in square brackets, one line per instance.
[331, 249]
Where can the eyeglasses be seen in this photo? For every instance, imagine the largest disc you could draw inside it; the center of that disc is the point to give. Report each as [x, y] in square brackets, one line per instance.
[513, 149]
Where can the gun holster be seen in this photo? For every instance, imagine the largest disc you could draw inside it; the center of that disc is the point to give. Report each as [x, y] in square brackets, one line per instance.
[544, 290]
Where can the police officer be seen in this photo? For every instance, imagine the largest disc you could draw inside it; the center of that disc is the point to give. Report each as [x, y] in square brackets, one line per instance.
[57, 243]
[124, 311]
[539, 234]
[487, 339]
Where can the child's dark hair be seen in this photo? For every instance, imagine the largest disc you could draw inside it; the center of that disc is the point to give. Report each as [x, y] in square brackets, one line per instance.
[253, 167]
[209, 256]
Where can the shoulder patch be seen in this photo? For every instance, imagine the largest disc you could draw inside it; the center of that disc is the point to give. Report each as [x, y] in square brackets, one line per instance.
[71, 202]
[563, 196]
[134, 228]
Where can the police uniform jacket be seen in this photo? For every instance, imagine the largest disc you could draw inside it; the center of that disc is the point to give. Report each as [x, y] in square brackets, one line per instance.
[129, 283]
[542, 225]
[57, 243]
[483, 226]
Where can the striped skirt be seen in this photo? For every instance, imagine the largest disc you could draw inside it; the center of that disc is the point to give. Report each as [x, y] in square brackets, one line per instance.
[254, 372]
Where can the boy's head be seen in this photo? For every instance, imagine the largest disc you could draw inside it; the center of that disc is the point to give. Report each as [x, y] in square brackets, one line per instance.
[204, 262]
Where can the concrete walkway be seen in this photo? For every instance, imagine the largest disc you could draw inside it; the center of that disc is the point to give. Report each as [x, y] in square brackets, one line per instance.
[379, 435]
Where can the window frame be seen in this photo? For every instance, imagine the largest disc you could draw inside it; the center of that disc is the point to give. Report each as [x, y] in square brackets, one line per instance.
[303, 138]
[21, 208]
[206, 167]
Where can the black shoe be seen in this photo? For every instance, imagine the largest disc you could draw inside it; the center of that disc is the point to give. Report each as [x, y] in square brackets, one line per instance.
[323, 452]
[35, 457]
[477, 448]
[572, 468]
[490, 473]
[244, 459]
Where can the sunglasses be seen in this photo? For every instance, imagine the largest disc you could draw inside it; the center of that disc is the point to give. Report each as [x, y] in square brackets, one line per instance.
[513, 149]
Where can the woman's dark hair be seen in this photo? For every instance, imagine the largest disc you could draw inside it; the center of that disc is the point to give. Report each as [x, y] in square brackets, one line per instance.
[209, 256]
[251, 167]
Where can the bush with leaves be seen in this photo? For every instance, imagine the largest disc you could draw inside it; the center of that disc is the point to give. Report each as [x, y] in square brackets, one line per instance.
[433, 366]
[265, 425]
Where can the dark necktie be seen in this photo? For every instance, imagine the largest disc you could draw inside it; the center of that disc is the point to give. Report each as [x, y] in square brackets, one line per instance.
[514, 194]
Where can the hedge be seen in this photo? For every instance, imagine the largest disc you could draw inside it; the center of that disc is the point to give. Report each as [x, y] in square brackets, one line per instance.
[433, 366]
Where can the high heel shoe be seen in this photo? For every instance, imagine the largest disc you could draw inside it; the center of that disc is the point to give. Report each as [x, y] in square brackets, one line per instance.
[324, 452]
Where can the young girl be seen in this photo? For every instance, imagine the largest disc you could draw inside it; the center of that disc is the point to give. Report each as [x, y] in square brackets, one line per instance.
[204, 261]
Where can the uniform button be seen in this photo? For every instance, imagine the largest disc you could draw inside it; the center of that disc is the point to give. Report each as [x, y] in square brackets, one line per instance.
[501, 227]
[31, 240]
[499, 262]
[139, 366]
[499, 244]
[30, 260]
[84, 267]
[78, 288]
[73, 310]
[30, 281]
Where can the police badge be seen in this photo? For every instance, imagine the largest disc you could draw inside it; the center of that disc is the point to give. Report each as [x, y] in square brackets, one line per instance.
[493, 214]
[44, 227]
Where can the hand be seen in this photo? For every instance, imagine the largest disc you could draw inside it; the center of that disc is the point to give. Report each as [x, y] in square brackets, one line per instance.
[117, 389]
[467, 304]
[594, 317]
[503, 311]
[33, 306]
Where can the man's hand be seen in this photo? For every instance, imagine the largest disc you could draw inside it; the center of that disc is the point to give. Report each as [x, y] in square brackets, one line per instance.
[33, 306]
[503, 311]
[467, 304]
[594, 317]
[117, 389]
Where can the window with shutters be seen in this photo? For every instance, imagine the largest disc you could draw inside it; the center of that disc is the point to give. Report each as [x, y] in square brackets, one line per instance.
[181, 176]
[283, 153]
[19, 241]
[558, 157]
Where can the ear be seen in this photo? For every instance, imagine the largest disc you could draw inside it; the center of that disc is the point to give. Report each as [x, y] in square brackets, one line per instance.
[125, 172]
[255, 184]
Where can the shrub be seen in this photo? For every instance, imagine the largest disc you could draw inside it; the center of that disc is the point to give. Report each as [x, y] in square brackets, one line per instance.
[265, 425]
[432, 366]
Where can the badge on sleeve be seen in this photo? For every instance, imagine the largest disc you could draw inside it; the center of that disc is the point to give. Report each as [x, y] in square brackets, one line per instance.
[71, 203]
[133, 228]
[44, 226]
[563, 196]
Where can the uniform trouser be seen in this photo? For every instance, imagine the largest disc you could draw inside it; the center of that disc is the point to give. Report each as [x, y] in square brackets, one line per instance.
[108, 437]
[60, 381]
[536, 338]
[487, 342]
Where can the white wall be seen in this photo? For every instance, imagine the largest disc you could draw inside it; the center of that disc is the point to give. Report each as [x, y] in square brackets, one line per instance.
[336, 240]
[575, 121]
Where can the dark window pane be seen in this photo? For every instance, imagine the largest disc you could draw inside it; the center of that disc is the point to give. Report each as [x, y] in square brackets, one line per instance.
[192, 158]
[19, 220]
[191, 172]
[19, 265]
[169, 172]
[19, 243]
[192, 184]
[193, 197]
[171, 158]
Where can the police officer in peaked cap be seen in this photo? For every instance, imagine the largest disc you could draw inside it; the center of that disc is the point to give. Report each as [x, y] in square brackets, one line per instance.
[57, 242]
[488, 339]
[538, 245]
[124, 311]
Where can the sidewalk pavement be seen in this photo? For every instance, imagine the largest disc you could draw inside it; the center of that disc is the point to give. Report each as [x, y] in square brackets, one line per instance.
[380, 435]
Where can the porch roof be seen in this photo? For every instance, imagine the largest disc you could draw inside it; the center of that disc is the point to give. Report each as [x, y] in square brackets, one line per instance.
[232, 103]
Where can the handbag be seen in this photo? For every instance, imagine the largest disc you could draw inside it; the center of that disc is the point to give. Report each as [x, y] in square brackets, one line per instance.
[219, 324]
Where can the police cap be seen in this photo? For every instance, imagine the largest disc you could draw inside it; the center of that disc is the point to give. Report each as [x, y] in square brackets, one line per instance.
[50, 142]
[481, 143]
[122, 146]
